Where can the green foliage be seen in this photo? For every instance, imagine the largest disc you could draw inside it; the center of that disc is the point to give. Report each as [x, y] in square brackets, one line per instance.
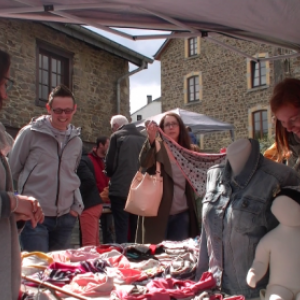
[265, 143]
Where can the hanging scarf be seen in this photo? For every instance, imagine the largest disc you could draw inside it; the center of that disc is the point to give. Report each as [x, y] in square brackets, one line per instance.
[193, 165]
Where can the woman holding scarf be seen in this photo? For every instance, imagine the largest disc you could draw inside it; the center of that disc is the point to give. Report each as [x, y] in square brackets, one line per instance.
[176, 219]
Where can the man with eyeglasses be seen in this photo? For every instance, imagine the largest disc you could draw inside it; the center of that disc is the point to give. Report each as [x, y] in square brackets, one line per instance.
[44, 160]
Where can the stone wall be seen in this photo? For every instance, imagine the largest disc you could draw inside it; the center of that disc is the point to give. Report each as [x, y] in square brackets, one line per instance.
[226, 96]
[94, 76]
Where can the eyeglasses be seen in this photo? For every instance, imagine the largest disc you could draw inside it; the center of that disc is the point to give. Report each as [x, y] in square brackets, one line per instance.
[291, 122]
[59, 111]
[9, 84]
[168, 125]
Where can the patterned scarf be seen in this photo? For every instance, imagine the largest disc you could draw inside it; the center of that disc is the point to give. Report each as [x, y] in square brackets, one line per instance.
[193, 165]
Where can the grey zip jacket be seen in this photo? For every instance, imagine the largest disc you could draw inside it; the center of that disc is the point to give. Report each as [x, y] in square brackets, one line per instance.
[44, 171]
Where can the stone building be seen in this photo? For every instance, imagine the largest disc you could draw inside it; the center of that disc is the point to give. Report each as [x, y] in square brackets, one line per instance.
[204, 77]
[47, 54]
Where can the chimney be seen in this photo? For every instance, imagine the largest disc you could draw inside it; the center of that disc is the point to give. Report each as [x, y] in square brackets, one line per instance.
[149, 99]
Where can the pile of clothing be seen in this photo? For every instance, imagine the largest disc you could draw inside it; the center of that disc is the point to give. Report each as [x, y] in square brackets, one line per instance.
[112, 271]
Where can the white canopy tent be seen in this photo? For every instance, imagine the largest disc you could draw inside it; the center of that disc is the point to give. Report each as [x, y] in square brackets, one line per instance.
[274, 22]
[199, 123]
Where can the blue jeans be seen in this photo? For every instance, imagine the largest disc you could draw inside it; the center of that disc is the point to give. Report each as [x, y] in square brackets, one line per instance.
[178, 227]
[125, 223]
[53, 234]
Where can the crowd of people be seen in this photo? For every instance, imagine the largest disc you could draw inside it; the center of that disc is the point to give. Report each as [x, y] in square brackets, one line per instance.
[64, 181]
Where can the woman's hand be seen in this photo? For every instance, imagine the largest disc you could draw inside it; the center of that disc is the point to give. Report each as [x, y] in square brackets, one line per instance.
[151, 130]
[27, 208]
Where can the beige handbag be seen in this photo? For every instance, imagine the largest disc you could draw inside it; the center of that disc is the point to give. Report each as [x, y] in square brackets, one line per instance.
[145, 192]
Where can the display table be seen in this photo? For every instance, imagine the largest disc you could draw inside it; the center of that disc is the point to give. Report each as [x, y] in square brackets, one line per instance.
[127, 271]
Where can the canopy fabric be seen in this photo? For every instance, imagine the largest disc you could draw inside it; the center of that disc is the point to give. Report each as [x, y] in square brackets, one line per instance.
[268, 21]
[199, 123]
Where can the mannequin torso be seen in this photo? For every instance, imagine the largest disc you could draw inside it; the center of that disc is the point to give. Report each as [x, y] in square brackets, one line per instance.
[237, 154]
[236, 215]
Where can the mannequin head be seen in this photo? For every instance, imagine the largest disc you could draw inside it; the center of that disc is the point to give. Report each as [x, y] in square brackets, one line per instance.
[286, 207]
[237, 155]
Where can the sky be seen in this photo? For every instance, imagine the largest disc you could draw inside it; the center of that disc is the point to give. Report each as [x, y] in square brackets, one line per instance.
[145, 82]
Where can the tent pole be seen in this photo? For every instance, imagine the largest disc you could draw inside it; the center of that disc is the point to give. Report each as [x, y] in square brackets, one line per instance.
[170, 20]
[231, 48]
[85, 21]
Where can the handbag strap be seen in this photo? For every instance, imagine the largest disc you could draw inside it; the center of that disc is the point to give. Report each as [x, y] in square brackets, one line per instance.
[158, 165]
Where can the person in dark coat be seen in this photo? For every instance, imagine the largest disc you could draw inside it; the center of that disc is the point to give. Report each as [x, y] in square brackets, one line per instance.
[89, 219]
[177, 218]
[122, 163]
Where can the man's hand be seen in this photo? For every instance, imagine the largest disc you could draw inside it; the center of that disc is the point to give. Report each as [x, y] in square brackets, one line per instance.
[104, 195]
[73, 213]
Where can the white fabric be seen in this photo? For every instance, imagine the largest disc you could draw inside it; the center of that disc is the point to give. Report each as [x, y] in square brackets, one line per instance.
[278, 250]
[270, 21]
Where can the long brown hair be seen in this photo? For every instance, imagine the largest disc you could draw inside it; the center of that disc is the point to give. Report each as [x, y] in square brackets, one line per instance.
[183, 138]
[281, 140]
[286, 92]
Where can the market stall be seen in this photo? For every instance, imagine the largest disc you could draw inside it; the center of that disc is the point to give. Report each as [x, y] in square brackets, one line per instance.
[244, 207]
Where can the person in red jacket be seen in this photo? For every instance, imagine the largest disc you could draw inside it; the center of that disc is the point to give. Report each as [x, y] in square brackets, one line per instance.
[97, 156]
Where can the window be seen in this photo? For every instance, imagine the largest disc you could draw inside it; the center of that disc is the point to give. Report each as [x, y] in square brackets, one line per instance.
[53, 68]
[139, 117]
[193, 48]
[193, 89]
[258, 73]
[260, 124]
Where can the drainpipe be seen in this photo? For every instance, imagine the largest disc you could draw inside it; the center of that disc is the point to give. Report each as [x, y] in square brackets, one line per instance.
[142, 67]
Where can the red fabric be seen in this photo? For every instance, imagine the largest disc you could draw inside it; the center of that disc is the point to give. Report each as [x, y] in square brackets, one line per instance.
[101, 179]
[169, 287]
[120, 262]
[66, 267]
[164, 289]
[220, 297]
[107, 248]
[89, 225]
[152, 249]
[223, 150]
[128, 276]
